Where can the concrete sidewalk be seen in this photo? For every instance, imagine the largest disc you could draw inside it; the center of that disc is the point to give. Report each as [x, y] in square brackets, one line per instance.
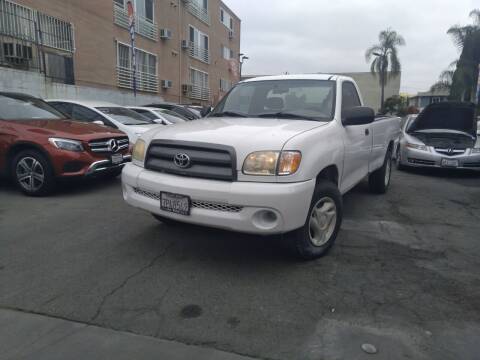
[31, 336]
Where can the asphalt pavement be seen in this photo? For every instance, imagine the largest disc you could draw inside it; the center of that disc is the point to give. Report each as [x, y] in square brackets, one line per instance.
[403, 276]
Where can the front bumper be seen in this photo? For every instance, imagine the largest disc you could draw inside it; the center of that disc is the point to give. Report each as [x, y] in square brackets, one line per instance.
[418, 158]
[250, 207]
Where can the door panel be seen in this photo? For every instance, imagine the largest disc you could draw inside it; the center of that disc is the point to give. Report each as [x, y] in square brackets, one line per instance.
[358, 145]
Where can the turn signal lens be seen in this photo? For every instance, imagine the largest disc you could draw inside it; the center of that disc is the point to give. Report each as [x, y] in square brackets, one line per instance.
[138, 153]
[289, 162]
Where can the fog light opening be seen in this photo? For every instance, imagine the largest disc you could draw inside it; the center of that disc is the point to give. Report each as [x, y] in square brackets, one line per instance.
[265, 219]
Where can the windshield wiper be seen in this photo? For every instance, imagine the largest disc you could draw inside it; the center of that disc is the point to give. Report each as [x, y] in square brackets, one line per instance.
[286, 115]
[229, 114]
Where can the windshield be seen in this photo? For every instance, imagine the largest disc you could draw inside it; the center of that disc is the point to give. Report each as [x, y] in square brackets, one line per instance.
[16, 107]
[125, 116]
[309, 99]
[169, 117]
[172, 113]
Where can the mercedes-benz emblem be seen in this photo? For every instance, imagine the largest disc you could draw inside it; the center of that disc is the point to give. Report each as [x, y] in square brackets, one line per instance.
[182, 160]
[113, 145]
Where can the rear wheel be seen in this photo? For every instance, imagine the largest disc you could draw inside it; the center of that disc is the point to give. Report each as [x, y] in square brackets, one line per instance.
[32, 173]
[321, 227]
[379, 180]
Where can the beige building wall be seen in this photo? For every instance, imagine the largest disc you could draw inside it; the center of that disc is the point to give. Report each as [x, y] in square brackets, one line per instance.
[96, 35]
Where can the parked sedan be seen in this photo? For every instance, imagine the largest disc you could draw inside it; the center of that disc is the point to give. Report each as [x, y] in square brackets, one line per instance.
[102, 113]
[158, 116]
[179, 109]
[443, 135]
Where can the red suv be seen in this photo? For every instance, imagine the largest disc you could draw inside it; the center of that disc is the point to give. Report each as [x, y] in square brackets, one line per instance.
[38, 145]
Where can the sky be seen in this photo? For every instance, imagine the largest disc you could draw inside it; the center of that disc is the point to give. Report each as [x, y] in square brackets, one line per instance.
[307, 36]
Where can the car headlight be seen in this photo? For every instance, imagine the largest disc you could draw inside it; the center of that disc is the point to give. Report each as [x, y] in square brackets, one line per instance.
[66, 144]
[138, 153]
[270, 163]
[476, 151]
[417, 146]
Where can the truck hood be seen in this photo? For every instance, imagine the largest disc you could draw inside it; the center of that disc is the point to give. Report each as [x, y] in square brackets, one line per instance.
[244, 134]
[68, 129]
[458, 116]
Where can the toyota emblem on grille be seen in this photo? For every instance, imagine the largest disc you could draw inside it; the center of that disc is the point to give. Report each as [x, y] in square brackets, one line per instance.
[113, 145]
[182, 160]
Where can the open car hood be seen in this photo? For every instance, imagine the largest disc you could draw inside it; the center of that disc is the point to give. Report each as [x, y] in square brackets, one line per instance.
[459, 116]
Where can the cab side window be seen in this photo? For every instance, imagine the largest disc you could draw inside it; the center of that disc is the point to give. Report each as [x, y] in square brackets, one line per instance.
[350, 96]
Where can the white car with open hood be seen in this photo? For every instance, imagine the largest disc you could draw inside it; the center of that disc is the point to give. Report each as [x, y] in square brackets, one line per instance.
[274, 157]
[443, 135]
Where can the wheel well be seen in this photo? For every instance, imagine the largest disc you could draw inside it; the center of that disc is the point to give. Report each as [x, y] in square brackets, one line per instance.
[15, 149]
[330, 173]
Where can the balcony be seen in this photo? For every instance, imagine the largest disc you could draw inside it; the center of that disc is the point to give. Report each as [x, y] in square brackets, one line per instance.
[198, 11]
[145, 81]
[199, 93]
[143, 26]
[199, 53]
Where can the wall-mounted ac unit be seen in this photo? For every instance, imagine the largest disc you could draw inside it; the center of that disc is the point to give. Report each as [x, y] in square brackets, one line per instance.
[165, 34]
[186, 88]
[185, 44]
[231, 34]
[167, 84]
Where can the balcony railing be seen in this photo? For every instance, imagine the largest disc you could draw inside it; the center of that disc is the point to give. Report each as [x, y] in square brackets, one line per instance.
[143, 26]
[199, 53]
[21, 22]
[199, 93]
[198, 11]
[145, 81]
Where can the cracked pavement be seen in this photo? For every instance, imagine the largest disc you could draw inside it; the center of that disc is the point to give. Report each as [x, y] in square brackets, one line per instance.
[404, 274]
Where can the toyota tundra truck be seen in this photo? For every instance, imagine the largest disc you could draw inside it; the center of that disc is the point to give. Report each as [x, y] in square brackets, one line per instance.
[275, 156]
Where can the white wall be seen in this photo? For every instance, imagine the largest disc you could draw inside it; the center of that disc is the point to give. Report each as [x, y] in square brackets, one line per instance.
[36, 84]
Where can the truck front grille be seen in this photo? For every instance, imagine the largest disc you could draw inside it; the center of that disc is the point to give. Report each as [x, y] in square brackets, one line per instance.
[199, 160]
[110, 145]
[199, 204]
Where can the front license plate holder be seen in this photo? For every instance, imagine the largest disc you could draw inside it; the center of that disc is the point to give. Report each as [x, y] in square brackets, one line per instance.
[175, 203]
[451, 163]
[117, 159]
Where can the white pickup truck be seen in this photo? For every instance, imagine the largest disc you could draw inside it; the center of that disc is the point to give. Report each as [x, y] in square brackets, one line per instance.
[273, 157]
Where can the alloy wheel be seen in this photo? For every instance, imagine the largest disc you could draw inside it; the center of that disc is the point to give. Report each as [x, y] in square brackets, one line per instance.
[30, 174]
[323, 219]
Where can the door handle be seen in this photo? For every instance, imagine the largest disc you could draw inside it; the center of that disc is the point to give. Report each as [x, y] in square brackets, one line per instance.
[367, 132]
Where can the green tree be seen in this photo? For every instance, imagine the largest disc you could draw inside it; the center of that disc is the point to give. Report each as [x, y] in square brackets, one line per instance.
[445, 79]
[384, 57]
[465, 77]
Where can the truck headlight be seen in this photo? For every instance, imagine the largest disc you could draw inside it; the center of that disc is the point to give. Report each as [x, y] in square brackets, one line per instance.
[138, 153]
[67, 144]
[271, 163]
[417, 147]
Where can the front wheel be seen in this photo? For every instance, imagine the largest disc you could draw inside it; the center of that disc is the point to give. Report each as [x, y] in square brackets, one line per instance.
[379, 180]
[321, 227]
[32, 173]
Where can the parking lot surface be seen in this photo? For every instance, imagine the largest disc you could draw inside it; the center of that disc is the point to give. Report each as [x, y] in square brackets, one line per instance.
[404, 274]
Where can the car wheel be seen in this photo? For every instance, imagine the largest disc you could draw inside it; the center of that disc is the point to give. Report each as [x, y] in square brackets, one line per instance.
[321, 227]
[32, 173]
[398, 160]
[379, 180]
[165, 220]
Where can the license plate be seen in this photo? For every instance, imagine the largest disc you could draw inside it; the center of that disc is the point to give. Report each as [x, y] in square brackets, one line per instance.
[175, 203]
[117, 159]
[449, 163]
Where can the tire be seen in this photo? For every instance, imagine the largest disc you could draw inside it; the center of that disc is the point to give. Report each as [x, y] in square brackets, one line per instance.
[379, 180]
[307, 243]
[398, 162]
[32, 173]
[166, 221]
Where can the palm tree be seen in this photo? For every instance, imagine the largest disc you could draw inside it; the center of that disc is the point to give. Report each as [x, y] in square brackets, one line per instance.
[385, 58]
[465, 77]
[445, 79]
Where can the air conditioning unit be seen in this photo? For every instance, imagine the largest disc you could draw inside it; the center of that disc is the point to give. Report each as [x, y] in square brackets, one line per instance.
[165, 34]
[185, 44]
[186, 88]
[167, 84]
[231, 34]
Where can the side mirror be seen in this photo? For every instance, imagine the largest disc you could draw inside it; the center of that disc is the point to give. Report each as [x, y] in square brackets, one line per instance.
[359, 115]
[206, 110]
[99, 122]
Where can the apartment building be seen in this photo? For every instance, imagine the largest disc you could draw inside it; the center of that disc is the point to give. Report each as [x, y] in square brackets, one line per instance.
[187, 51]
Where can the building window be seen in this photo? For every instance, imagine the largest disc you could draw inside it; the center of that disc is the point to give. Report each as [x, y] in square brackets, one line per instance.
[225, 85]
[199, 85]
[145, 17]
[199, 9]
[146, 69]
[226, 19]
[227, 54]
[199, 45]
